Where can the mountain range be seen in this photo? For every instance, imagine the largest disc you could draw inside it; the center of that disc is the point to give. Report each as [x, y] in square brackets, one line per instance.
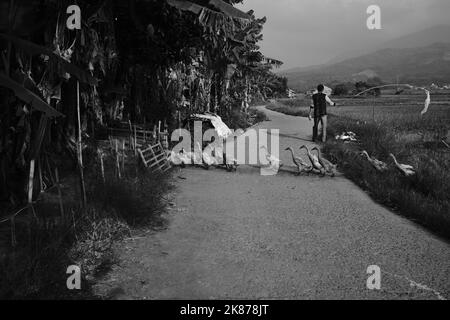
[419, 58]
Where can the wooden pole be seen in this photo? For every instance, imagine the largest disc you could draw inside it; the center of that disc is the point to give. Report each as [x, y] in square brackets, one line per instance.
[145, 130]
[130, 139]
[30, 187]
[117, 160]
[102, 166]
[49, 169]
[123, 155]
[135, 140]
[80, 152]
[41, 184]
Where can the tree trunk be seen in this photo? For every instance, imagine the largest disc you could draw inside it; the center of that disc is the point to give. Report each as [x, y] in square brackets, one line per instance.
[208, 87]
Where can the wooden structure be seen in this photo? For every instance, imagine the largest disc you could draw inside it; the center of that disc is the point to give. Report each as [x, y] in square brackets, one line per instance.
[138, 136]
[155, 158]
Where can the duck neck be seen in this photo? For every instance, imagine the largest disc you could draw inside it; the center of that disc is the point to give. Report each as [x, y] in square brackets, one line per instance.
[318, 153]
[291, 151]
[367, 155]
[395, 160]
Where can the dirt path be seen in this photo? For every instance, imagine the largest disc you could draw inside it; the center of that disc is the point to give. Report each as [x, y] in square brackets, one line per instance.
[241, 235]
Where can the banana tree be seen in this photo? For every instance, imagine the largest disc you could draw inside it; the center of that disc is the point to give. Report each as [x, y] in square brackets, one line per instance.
[221, 22]
[28, 60]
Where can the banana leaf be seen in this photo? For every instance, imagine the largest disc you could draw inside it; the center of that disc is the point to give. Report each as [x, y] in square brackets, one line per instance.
[34, 49]
[28, 97]
[274, 62]
[224, 8]
[185, 6]
[228, 9]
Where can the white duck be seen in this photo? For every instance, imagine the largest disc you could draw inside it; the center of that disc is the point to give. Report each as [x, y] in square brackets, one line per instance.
[298, 161]
[274, 162]
[346, 136]
[405, 169]
[181, 158]
[208, 159]
[427, 103]
[198, 155]
[231, 164]
[185, 157]
[327, 165]
[314, 160]
[376, 164]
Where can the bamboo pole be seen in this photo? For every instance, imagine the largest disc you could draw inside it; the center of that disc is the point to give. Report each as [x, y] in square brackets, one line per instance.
[30, 181]
[30, 188]
[80, 152]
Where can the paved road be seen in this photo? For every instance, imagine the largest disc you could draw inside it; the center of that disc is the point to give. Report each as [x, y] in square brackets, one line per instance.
[241, 235]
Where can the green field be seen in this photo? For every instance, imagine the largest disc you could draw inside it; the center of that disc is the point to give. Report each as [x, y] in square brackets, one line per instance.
[392, 124]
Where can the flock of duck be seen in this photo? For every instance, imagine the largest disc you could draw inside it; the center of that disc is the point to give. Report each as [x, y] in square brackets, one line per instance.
[317, 164]
[405, 169]
[322, 166]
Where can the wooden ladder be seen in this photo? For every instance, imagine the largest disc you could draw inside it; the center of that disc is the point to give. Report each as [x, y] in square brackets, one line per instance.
[155, 158]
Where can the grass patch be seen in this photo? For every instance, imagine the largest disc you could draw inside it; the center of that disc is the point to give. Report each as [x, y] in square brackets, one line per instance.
[36, 267]
[290, 107]
[424, 197]
[392, 124]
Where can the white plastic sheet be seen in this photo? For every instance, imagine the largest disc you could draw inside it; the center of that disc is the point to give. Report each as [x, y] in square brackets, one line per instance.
[222, 129]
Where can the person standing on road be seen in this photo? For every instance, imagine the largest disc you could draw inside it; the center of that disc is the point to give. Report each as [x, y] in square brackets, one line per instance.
[318, 108]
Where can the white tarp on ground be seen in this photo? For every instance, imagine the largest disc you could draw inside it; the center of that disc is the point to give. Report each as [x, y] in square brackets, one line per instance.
[222, 129]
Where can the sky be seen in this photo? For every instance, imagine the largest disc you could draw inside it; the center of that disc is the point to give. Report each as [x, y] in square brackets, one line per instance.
[309, 32]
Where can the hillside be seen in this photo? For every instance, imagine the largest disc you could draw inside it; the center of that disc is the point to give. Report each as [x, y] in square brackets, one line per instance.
[422, 65]
[422, 38]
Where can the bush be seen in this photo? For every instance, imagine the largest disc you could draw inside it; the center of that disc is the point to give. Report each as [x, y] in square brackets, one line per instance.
[136, 200]
[257, 116]
[340, 90]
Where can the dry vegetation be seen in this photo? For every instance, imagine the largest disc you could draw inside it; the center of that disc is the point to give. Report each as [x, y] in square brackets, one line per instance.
[393, 124]
[36, 267]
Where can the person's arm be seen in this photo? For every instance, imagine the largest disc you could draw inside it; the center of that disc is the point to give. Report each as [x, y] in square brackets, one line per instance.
[311, 109]
[327, 98]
